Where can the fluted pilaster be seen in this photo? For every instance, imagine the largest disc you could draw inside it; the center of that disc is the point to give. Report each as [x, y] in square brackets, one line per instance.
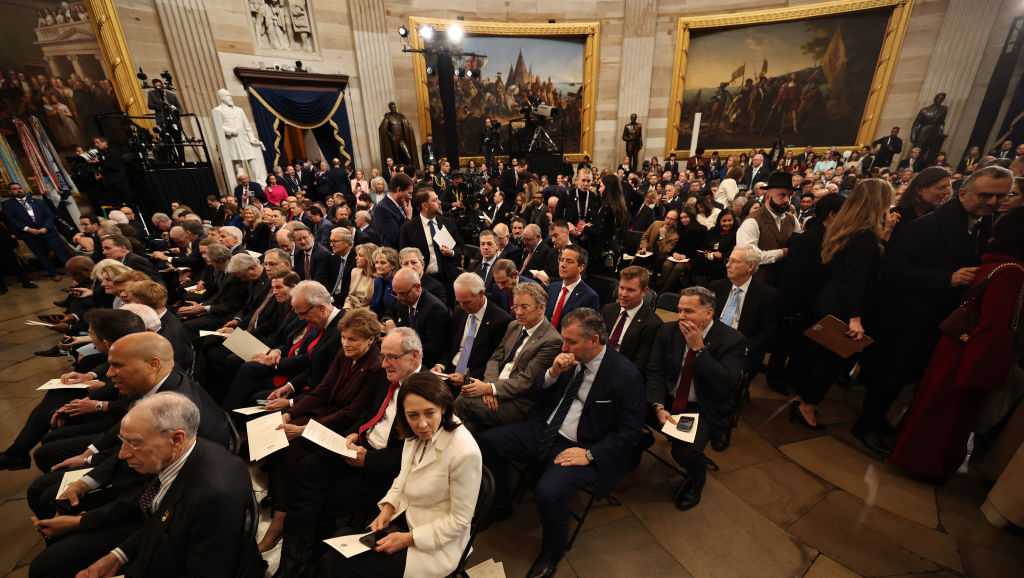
[373, 62]
[637, 65]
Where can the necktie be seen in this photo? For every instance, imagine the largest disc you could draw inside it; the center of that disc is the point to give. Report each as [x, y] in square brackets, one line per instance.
[616, 335]
[731, 309]
[484, 268]
[683, 386]
[308, 275]
[380, 412]
[341, 276]
[254, 321]
[148, 496]
[433, 232]
[556, 315]
[412, 316]
[511, 353]
[552, 427]
[467, 345]
[526, 261]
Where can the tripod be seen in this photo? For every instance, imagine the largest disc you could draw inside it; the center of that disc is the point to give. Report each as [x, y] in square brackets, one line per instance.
[541, 137]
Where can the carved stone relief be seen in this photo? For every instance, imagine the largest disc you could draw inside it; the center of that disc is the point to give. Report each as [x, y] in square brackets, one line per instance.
[285, 25]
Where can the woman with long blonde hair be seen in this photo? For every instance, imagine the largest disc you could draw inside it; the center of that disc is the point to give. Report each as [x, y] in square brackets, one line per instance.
[852, 256]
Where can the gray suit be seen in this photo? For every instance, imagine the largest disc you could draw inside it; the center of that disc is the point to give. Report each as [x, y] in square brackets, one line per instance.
[535, 358]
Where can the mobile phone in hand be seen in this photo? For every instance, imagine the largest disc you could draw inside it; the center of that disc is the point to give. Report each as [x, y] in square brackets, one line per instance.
[685, 424]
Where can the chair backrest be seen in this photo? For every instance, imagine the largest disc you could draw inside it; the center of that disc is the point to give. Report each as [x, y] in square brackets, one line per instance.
[235, 443]
[668, 301]
[481, 518]
[631, 241]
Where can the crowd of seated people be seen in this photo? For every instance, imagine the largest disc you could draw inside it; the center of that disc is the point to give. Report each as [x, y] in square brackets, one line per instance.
[561, 331]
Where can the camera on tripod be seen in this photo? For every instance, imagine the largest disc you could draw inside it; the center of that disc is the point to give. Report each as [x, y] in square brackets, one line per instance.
[537, 115]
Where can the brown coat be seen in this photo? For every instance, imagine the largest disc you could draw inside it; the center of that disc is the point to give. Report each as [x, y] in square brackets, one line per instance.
[660, 244]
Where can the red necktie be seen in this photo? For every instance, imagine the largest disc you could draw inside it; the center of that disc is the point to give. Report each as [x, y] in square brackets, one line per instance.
[616, 335]
[380, 412]
[556, 315]
[685, 380]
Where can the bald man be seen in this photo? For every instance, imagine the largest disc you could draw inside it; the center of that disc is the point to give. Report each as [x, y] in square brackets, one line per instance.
[423, 312]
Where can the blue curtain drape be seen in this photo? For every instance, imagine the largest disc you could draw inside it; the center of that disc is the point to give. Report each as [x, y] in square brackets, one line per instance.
[321, 111]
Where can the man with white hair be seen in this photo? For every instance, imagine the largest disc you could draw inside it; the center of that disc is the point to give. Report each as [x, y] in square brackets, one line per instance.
[423, 312]
[321, 477]
[232, 237]
[242, 291]
[246, 190]
[506, 249]
[196, 498]
[297, 361]
[478, 326]
[283, 240]
[365, 233]
[412, 258]
[343, 261]
[146, 313]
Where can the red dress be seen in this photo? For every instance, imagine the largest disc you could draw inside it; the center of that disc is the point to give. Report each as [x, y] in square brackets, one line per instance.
[933, 437]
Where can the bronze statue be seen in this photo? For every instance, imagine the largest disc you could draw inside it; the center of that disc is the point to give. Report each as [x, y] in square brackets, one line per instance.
[397, 140]
[633, 134]
[928, 131]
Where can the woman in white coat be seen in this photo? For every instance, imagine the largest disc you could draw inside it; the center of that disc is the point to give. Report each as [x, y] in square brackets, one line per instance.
[430, 505]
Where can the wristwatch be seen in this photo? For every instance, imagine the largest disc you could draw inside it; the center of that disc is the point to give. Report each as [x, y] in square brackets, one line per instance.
[590, 456]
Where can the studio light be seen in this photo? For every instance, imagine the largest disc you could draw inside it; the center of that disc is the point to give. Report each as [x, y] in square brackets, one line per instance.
[430, 70]
[403, 31]
[470, 73]
[455, 33]
[427, 32]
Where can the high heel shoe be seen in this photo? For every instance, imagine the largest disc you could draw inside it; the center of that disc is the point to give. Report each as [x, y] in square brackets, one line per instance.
[796, 417]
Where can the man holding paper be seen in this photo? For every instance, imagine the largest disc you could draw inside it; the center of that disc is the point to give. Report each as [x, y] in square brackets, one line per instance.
[432, 234]
[696, 367]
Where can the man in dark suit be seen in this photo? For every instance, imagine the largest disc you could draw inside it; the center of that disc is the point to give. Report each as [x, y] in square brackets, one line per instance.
[748, 305]
[154, 296]
[423, 312]
[322, 477]
[506, 248]
[755, 171]
[310, 260]
[246, 191]
[570, 291]
[219, 212]
[671, 165]
[511, 178]
[537, 253]
[930, 261]
[649, 212]
[632, 324]
[477, 327]
[583, 431]
[196, 502]
[704, 382]
[319, 224]
[32, 221]
[484, 266]
[912, 162]
[580, 204]
[119, 248]
[389, 214]
[339, 182]
[365, 233]
[343, 261]
[439, 262]
[888, 147]
[225, 293]
[290, 181]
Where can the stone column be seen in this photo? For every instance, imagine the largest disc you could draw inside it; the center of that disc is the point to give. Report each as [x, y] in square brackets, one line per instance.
[51, 61]
[186, 27]
[954, 64]
[376, 76]
[637, 64]
[76, 66]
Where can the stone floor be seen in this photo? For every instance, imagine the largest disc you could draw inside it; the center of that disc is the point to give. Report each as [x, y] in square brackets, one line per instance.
[786, 502]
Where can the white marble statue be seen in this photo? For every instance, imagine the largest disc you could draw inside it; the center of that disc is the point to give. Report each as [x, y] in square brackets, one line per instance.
[240, 149]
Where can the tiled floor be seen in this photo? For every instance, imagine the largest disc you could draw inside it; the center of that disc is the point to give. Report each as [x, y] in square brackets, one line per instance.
[787, 502]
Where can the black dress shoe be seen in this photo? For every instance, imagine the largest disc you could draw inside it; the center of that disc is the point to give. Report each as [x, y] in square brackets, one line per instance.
[543, 567]
[721, 441]
[874, 443]
[688, 496]
[29, 285]
[54, 351]
[12, 462]
[63, 302]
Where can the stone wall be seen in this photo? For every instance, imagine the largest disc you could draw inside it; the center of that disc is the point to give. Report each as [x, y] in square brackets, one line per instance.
[636, 54]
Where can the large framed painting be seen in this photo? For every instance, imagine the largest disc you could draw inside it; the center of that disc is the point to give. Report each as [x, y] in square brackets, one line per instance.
[64, 62]
[812, 75]
[552, 64]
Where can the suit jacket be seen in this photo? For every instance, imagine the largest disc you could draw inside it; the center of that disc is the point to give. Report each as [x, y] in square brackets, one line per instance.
[308, 366]
[320, 265]
[254, 190]
[181, 341]
[140, 263]
[432, 324]
[230, 296]
[437, 491]
[582, 296]
[290, 183]
[759, 316]
[644, 217]
[512, 252]
[543, 258]
[411, 234]
[717, 376]
[612, 419]
[539, 351]
[388, 219]
[638, 339]
[197, 528]
[340, 293]
[368, 235]
[574, 206]
[751, 176]
[888, 147]
[913, 164]
[488, 335]
[340, 183]
[18, 218]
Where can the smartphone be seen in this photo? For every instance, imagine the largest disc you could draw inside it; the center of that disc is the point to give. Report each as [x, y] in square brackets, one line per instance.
[370, 540]
[685, 423]
[262, 401]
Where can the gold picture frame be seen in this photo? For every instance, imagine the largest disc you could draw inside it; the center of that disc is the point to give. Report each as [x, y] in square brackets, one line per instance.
[893, 40]
[116, 56]
[592, 31]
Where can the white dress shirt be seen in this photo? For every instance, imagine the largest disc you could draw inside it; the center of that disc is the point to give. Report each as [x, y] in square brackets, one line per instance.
[425, 222]
[506, 371]
[630, 316]
[749, 233]
[378, 435]
[571, 424]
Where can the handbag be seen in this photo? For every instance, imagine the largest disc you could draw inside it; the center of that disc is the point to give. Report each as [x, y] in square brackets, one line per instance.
[962, 321]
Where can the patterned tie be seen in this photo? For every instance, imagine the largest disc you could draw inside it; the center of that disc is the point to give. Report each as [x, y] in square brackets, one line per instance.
[616, 335]
[467, 345]
[309, 257]
[148, 496]
[552, 427]
[683, 385]
[556, 315]
[341, 276]
[731, 309]
[484, 268]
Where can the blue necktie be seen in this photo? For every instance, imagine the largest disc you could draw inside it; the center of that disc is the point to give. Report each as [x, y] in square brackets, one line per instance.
[731, 309]
[467, 345]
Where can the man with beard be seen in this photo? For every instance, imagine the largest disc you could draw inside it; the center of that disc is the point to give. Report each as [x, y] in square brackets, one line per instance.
[772, 227]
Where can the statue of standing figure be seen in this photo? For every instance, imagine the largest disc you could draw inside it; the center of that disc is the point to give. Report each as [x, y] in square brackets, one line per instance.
[397, 141]
[633, 134]
[929, 129]
[240, 148]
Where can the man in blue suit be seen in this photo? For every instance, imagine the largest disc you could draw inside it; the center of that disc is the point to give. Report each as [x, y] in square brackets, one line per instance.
[389, 213]
[32, 221]
[584, 430]
[570, 292]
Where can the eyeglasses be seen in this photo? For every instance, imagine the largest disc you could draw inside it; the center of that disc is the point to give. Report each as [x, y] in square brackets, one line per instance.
[138, 445]
[390, 357]
[990, 196]
[306, 312]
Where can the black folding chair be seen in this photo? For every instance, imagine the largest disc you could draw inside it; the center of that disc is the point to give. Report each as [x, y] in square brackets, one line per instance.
[482, 518]
[668, 301]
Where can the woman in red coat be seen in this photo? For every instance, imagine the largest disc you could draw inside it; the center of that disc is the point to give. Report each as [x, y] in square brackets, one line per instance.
[933, 437]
